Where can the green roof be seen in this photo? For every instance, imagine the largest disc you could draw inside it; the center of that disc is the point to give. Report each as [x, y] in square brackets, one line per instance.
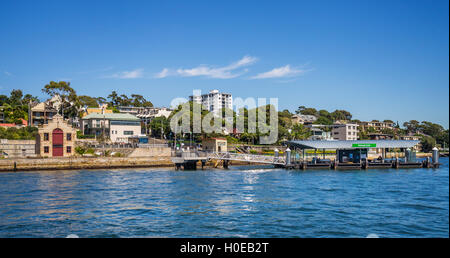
[113, 116]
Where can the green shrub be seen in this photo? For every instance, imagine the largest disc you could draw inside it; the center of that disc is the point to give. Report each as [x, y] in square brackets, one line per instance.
[118, 154]
[80, 150]
[84, 136]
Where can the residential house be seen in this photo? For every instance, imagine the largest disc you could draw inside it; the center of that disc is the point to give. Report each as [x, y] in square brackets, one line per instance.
[146, 114]
[380, 136]
[7, 125]
[319, 132]
[115, 126]
[417, 147]
[101, 109]
[303, 119]
[42, 113]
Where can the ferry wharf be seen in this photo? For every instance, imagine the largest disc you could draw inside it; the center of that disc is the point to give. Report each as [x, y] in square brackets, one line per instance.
[348, 155]
[355, 155]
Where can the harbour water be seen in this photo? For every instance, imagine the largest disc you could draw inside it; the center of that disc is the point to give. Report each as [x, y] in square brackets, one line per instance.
[238, 202]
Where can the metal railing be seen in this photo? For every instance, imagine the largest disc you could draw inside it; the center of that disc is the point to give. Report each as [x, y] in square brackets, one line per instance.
[151, 145]
[247, 157]
[123, 145]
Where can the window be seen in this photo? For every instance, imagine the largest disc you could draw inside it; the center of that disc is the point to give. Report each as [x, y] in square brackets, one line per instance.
[69, 136]
[45, 136]
[136, 123]
[69, 149]
[349, 133]
[46, 149]
[128, 132]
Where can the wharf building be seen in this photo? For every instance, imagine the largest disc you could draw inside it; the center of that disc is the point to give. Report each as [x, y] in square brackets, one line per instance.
[56, 138]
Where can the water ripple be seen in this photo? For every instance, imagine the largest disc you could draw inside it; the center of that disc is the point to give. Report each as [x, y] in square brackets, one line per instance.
[241, 202]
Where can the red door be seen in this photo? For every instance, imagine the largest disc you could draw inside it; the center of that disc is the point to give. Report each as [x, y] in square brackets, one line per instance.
[58, 140]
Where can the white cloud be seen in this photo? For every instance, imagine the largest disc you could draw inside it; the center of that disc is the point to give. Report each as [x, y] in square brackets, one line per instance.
[163, 74]
[280, 72]
[8, 73]
[128, 74]
[226, 72]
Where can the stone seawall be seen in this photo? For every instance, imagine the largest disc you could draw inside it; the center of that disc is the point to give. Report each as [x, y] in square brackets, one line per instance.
[82, 163]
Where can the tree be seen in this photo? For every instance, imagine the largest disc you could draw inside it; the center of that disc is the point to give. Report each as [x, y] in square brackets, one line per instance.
[300, 109]
[371, 130]
[24, 133]
[15, 107]
[4, 100]
[432, 129]
[443, 139]
[412, 126]
[114, 97]
[341, 115]
[61, 88]
[140, 101]
[70, 103]
[427, 143]
[16, 97]
[300, 132]
[29, 98]
[309, 111]
[160, 126]
[322, 120]
[124, 100]
[100, 100]
[363, 135]
[88, 101]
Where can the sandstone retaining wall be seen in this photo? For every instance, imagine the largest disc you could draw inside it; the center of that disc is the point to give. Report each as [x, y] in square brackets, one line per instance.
[82, 163]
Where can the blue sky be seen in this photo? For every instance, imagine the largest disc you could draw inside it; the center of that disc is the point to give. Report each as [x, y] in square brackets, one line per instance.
[376, 59]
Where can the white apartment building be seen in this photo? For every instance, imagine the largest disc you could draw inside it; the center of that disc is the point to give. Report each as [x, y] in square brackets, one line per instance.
[214, 101]
[344, 132]
[378, 126]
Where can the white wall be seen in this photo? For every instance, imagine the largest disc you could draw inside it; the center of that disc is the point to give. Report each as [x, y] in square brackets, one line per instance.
[117, 132]
[345, 132]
